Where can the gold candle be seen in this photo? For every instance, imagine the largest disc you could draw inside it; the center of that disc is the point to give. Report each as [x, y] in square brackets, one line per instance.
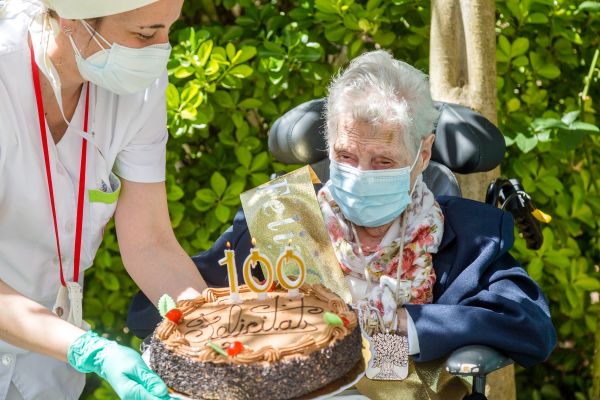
[229, 261]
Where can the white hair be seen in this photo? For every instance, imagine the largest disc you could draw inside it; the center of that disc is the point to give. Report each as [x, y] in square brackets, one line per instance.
[379, 90]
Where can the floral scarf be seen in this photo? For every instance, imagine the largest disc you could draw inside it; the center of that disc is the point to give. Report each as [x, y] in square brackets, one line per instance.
[423, 235]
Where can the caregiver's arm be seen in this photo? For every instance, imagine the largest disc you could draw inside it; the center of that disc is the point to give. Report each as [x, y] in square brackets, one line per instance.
[149, 249]
[29, 325]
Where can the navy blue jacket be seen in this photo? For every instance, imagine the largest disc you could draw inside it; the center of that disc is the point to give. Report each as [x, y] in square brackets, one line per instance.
[482, 295]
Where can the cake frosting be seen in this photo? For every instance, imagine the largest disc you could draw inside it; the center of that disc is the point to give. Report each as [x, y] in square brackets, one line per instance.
[290, 346]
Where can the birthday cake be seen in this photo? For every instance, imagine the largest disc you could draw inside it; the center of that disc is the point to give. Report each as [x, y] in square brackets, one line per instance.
[279, 347]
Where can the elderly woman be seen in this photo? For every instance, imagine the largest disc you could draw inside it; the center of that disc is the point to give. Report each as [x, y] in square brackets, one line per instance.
[448, 258]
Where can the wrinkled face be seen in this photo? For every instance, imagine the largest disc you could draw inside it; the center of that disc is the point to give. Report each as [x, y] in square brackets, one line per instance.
[137, 28]
[365, 147]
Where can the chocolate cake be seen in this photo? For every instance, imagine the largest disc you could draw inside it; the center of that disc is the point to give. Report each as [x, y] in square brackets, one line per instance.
[280, 347]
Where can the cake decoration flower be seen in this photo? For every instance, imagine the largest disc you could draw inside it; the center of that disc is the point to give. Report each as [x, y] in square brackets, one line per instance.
[235, 348]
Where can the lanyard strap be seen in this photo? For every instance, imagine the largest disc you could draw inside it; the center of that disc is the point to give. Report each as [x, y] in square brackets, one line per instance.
[81, 192]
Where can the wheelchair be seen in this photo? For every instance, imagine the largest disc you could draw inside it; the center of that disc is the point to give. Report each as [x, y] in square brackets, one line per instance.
[466, 142]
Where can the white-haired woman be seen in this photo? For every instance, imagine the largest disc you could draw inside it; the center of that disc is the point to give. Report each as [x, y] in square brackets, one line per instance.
[82, 94]
[423, 266]
[434, 271]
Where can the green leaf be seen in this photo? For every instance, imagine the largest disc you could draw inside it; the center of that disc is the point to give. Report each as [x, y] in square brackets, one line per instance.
[165, 304]
[503, 50]
[271, 49]
[230, 50]
[241, 71]
[257, 179]
[592, 6]
[211, 68]
[570, 117]
[326, 6]
[513, 104]
[236, 188]
[535, 268]
[249, 103]
[335, 33]
[537, 18]
[584, 127]
[540, 124]
[350, 21]
[110, 282]
[526, 144]
[223, 99]
[203, 53]
[176, 212]
[587, 283]
[572, 296]
[245, 54]
[183, 72]
[260, 162]
[175, 193]
[520, 61]
[218, 183]
[172, 96]
[191, 95]
[384, 38]
[519, 47]
[544, 67]
[310, 53]
[222, 213]
[244, 156]
[206, 196]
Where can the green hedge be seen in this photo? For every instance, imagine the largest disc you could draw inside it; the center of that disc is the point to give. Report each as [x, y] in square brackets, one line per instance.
[238, 65]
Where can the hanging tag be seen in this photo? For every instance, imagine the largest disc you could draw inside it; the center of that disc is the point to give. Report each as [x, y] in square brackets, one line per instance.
[389, 357]
[389, 349]
[68, 305]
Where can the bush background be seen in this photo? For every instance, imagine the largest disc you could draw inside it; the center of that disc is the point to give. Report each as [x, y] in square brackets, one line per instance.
[238, 65]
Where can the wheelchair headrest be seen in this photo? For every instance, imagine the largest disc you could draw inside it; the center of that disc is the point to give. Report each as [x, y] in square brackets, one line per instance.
[465, 141]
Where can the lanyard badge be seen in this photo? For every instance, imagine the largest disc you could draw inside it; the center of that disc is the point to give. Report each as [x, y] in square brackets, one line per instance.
[68, 303]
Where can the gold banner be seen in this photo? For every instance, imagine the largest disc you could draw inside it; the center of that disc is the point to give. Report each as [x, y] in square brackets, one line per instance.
[285, 209]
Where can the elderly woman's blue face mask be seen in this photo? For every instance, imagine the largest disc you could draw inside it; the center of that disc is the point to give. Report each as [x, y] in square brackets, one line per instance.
[374, 197]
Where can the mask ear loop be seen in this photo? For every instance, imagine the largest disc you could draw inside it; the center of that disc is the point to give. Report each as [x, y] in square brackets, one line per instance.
[94, 34]
[413, 166]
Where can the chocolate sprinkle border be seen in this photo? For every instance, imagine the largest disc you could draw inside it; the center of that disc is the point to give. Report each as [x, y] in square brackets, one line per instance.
[281, 380]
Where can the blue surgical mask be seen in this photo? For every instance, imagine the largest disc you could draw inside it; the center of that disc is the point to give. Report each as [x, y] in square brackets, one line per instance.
[120, 69]
[371, 198]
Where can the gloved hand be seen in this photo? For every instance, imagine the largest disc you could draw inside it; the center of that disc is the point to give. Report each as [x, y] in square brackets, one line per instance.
[121, 366]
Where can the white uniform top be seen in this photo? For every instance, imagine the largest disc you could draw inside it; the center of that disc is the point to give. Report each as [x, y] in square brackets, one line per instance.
[129, 131]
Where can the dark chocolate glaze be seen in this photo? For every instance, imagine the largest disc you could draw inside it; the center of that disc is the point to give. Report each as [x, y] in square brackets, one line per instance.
[281, 380]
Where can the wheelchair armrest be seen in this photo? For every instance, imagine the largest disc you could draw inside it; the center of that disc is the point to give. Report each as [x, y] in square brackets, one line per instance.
[475, 360]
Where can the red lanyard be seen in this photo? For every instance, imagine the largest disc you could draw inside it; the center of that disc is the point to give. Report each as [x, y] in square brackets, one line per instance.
[81, 194]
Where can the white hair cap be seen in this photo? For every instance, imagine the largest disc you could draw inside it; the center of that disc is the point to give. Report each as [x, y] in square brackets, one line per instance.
[83, 9]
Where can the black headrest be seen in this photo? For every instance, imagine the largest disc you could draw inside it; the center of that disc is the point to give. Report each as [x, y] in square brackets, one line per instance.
[465, 141]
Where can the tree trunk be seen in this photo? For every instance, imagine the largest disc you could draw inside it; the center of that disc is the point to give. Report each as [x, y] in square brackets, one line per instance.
[462, 69]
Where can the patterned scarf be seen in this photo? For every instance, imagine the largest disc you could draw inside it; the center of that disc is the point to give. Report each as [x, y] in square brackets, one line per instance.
[423, 235]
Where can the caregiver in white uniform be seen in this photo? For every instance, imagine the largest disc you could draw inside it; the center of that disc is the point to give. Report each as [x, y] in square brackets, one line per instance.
[82, 137]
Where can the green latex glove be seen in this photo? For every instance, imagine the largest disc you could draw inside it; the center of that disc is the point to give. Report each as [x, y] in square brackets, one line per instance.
[121, 366]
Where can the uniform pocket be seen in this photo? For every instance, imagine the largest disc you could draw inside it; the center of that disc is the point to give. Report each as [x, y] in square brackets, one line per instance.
[103, 203]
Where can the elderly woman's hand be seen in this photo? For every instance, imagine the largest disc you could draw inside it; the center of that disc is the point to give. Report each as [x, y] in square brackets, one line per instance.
[383, 297]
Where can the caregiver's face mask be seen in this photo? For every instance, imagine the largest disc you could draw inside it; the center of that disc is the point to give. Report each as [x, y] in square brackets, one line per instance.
[371, 198]
[120, 69]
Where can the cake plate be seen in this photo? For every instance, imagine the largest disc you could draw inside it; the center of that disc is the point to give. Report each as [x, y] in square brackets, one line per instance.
[334, 388]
